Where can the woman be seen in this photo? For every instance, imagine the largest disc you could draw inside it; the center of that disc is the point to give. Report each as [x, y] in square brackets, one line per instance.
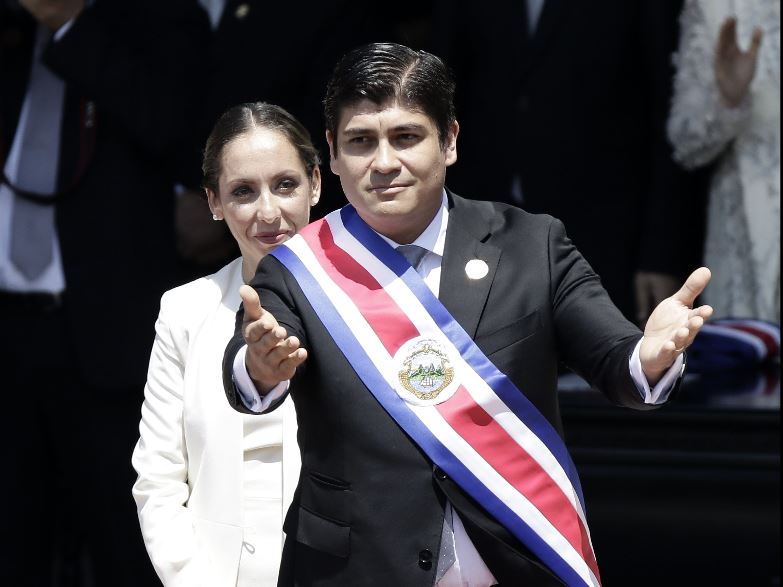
[213, 484]
[726, 111]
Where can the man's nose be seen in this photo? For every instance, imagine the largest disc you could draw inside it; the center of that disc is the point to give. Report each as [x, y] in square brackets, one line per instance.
[385, 160]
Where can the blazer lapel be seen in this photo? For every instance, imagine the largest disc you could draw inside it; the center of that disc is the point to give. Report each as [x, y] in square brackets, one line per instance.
[464, 297]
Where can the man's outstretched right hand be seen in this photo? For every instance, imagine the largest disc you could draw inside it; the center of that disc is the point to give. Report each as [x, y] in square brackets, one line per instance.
[272, 356]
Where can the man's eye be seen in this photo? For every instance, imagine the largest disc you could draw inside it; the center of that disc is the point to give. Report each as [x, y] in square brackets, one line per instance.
[358, 140]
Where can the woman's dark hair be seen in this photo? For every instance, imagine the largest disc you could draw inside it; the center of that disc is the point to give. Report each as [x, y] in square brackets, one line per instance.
[380, 72]
[243, 118]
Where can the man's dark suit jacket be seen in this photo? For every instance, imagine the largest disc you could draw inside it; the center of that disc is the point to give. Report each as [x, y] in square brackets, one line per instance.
[369, 507]
[131, 71]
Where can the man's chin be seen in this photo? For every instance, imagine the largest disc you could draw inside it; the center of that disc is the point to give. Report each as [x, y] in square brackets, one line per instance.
[394, 211]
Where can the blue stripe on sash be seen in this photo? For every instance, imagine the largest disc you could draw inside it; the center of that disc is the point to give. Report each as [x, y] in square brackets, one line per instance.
[500, 383]
[409, 422]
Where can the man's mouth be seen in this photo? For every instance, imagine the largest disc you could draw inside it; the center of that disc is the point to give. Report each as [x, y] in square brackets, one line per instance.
[390, 189]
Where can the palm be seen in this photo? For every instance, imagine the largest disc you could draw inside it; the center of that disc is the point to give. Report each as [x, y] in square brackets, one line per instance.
[673, 325]
[735, 68]
[667, 318]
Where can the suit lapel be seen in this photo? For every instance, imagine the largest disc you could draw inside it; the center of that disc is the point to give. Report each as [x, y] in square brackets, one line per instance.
[467, 232]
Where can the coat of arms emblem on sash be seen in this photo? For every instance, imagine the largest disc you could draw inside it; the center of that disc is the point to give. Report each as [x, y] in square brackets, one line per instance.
[425, 372]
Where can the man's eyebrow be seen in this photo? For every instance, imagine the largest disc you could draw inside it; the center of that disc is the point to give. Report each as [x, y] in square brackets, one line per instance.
[410, 126]
[357, 130]
[363, 130]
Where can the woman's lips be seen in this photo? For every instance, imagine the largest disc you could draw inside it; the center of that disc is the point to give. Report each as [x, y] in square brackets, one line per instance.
[272, 238]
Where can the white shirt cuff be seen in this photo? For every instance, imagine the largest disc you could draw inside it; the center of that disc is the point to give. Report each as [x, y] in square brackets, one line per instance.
[247, 389]
[660, 393]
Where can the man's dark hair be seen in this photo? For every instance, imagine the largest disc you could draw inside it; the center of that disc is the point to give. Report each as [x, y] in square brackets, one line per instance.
[380, 72]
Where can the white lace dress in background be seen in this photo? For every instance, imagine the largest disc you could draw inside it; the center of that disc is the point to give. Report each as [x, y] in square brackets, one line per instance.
[743, 223]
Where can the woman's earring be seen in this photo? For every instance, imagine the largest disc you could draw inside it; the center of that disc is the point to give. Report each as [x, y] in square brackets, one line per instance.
[215, 217]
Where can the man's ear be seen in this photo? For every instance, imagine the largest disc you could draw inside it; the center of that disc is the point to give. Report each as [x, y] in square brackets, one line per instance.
[332, 151]
[451, 143]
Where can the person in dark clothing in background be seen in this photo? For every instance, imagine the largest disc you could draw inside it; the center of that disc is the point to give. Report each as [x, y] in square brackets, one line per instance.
[283, 54]
[95, 97]
[564, 106]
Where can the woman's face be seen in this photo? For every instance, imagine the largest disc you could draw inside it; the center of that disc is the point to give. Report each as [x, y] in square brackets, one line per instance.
[264, 193]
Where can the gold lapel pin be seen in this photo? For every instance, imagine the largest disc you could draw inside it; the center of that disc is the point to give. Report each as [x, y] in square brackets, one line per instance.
[476, 269]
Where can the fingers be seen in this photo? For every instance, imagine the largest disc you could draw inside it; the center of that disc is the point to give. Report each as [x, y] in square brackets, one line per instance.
[694, 326]
[678, 341]
[260, 328]
[286, 368]
[251, 302]
[727, 37]
[270, 366]
[755, 42]
[290, 362]
[704, 311]
[264, 333]
[683, 337]
[284, 350]
[693, 286]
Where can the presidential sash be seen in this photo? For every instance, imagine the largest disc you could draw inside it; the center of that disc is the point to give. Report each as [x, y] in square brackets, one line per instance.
[429, 375]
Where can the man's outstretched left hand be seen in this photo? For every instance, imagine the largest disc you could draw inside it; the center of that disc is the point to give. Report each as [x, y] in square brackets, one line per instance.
[673, 325]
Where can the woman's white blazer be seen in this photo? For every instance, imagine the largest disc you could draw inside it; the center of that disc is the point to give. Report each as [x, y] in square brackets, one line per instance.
[189, 457]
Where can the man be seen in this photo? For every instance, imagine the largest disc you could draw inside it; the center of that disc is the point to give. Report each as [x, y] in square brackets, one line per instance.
[95, 97]
[398, 391]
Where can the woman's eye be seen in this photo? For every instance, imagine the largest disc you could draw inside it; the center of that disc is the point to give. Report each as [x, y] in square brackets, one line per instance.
[241, 191]
[287, 185]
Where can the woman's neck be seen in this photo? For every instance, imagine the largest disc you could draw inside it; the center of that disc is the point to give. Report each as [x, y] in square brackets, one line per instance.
[249, 269]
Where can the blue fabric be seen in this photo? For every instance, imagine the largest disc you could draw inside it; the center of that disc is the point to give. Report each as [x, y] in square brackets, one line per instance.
[731, 344]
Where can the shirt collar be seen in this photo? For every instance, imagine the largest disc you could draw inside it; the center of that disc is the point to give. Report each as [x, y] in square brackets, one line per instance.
[434, 236]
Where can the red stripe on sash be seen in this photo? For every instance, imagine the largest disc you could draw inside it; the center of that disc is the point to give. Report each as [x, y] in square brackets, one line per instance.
[517, 467]
[391, 324]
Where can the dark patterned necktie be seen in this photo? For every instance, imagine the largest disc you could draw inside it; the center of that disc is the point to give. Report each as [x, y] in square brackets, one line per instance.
[413, 254]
